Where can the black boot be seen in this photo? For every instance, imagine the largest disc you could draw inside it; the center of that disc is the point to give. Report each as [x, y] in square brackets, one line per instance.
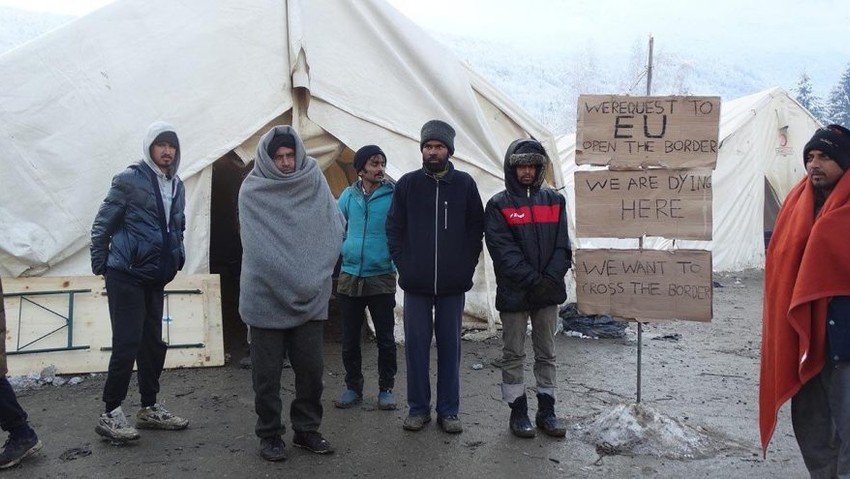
[520, 423]
[546, 419]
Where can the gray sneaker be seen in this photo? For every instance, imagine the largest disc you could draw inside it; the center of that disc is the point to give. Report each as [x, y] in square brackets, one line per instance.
[415, 423]
[450, 424]
[157, 417]
[113, 425]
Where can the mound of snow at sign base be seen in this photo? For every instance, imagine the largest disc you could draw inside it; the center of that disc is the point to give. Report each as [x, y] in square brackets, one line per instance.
[637, 429]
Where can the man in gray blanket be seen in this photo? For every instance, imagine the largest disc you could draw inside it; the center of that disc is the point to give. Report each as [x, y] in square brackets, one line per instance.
[291, 233]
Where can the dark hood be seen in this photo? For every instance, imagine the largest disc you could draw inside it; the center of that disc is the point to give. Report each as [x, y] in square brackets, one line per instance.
[512, 159]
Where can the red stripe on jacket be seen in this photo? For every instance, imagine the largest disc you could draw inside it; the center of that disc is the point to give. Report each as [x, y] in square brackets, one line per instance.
[535, 214]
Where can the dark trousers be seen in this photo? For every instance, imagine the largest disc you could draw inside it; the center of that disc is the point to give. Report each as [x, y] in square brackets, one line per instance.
[13, 418]
[820, 414]
[303, 346]
[440, 316]
[352, 311]
[136, 315]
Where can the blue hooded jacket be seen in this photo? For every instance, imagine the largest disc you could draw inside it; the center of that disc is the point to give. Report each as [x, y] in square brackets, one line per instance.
[364, 251]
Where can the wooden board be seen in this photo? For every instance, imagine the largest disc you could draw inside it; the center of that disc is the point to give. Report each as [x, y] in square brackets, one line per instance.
[645, 284]
[38, 335]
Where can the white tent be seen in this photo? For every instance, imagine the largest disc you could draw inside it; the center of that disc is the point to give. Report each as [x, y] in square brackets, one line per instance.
[75, 103]
[759, 160]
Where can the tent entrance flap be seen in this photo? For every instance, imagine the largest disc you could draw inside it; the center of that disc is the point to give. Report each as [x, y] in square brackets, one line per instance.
[226, 247]
[771, 210]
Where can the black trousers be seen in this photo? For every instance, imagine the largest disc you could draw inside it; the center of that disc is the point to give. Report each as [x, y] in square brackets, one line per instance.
[13, 418]
[352, 311]
[136, 315]
[303, 346]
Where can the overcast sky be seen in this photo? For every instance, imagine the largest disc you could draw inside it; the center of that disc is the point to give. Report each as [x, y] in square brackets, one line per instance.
[789, 25]
[780, 21]
[813, 32]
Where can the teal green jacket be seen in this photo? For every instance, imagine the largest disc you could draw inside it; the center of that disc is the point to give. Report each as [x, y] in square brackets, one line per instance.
[364, 251]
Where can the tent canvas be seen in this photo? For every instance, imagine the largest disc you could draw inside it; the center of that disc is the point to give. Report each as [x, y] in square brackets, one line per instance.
[759, 160]
[75, 103]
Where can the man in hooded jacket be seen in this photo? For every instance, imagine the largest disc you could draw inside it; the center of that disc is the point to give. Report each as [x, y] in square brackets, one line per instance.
[137, 245]
[525, 228]
[291, 232]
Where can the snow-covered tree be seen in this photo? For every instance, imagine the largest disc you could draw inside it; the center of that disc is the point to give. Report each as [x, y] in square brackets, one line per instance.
[805, 96]
[838, 108]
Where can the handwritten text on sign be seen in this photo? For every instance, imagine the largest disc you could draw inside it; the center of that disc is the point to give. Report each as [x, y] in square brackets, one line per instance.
[630, 132]
[645, 284]
[630, 204]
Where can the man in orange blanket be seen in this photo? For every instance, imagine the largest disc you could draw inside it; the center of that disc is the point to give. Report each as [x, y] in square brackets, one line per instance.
[806, 329]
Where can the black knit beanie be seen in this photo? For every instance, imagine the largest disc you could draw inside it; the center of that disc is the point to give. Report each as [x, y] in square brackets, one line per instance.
[833, 141]
[363, 155]
[283, 139]
[439, 131]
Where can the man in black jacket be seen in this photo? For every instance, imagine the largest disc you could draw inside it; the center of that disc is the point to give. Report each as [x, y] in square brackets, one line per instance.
[526, 234]
[137, 245]
[434, 230]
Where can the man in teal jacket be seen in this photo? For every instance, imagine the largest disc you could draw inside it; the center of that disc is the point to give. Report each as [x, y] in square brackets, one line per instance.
[367, 277]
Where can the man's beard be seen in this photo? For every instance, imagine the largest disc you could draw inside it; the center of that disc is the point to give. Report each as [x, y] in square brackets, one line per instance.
[435, 166]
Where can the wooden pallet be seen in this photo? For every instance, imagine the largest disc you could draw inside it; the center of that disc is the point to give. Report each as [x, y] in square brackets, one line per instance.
[64, 322]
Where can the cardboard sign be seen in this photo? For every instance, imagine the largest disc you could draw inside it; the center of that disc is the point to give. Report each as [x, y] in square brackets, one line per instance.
[630, 132]
[645, 284]
[630, 204]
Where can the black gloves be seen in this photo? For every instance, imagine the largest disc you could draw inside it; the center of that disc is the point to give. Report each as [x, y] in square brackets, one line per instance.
[545, 292]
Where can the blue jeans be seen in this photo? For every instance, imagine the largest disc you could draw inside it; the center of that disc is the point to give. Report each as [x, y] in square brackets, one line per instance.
[441, 316]
[351, 309]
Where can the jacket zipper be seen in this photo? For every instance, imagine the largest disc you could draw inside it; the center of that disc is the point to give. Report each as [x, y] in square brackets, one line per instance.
[436, 230]
[363, 244]
[534, 228]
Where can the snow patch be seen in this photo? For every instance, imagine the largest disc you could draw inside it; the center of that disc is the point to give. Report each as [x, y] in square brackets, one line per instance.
[635, 429]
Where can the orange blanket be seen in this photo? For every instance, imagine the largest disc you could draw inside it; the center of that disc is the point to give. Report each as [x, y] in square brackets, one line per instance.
[808, 262]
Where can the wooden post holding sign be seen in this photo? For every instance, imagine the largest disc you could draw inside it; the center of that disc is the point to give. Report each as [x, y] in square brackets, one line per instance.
[627, 132]
[645, 284]
[631, 204]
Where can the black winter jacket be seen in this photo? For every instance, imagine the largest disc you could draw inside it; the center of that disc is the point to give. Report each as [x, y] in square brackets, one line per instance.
[129, 234]
[526, 234]
[434, 230]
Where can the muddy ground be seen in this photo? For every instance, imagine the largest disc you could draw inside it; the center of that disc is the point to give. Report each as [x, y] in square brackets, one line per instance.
[706, 379]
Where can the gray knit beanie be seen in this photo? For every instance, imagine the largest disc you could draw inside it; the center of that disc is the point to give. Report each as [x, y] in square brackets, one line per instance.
[439, 131]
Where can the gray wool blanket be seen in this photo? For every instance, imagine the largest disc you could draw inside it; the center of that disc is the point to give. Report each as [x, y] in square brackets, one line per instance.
[291, 233]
